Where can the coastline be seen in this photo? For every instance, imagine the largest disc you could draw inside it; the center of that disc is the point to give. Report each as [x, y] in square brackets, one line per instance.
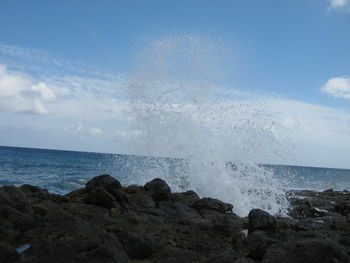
[105, 222]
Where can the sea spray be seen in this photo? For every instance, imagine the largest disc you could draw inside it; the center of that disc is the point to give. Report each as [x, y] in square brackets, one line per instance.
[180, 109]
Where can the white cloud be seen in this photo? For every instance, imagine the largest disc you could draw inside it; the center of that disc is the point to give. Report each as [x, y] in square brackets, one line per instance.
[95, 131]
[21, 94]
[338, 87]
[85, 108]
[339, 4]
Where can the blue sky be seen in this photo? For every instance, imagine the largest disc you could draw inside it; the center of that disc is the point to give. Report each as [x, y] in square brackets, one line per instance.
[297, 51]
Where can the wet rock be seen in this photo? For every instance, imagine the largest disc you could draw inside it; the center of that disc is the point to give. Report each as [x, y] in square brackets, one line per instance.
[160, 190]
[213, 204]
[179, 211]
[105, 181]
[139, 245]
[188, 197]
[99, 196]
[105, 222]
[261, 220]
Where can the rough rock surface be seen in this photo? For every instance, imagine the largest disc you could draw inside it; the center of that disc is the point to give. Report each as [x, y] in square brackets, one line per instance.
[105, 222]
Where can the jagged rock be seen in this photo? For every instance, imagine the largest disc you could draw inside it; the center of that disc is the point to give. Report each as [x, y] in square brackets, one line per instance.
[105, 222]
[224, 256]
[105, 181]
[104, 248]
[8, 253]
[309, 250]
[13, 197]
[176, 255]
[160, 190]
[139, 245]
[343, 207]
[261, 220]
[99, 196]
[213, 204]
[255, 246]
[188, 197]
[179, 211]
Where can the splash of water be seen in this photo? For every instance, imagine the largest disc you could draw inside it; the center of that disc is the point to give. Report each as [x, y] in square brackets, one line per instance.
[181, 110]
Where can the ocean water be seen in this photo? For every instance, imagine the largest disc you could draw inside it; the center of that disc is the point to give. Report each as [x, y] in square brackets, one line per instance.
[63, 171]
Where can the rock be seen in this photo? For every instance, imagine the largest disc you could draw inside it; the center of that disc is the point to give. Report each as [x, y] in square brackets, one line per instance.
[343, 207]
[34, 192]
[261, 220]
[188, 197]
[176, 255]
[13, 197]
[160, 190]
[308, 250]
[255, 246]
[104, 248]
[213, 204]
[105, 181]
[120, 196]
[99, 196]
[224, 256]
[7, 253]
[179, 211]
[105, 222]
[139, 245]
[286, 224]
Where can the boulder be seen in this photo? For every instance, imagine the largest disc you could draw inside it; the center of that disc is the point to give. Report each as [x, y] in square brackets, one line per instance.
[213, 204]
[159, 189]
[188, 197]
[138, 245]
[261, 220]
[105, 181]
[99, 196]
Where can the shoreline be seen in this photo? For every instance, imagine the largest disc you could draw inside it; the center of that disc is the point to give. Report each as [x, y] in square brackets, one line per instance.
[107, 222]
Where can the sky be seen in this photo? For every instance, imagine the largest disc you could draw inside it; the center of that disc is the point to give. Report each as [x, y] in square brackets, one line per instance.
[64, 66]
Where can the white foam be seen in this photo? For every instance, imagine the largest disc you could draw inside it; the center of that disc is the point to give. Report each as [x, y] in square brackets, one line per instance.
[180, 111]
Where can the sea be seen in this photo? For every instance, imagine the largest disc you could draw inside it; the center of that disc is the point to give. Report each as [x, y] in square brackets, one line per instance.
[64, 171]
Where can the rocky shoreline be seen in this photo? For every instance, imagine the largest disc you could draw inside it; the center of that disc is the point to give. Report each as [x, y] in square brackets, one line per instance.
[106, 222]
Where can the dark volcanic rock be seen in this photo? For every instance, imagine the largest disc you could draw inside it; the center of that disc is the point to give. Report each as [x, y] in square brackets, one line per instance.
[139, 245]
[7, 253]
[309, 250]
[188, 197]
[213, 204]
[100, 196]
[105, 181]
[160, 190]
[105, 222]
[261, 220]
[175, 255]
